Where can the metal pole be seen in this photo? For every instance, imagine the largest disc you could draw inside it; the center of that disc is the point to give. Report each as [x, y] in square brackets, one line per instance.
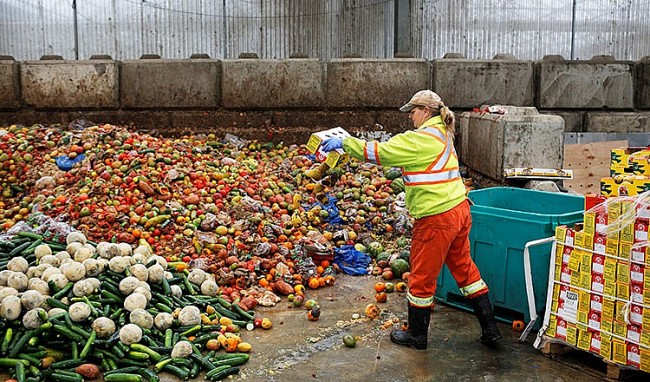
[573, 29]
[76, 30]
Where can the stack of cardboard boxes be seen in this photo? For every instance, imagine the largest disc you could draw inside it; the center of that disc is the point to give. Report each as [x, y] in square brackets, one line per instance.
[601, 279]
[629, 172]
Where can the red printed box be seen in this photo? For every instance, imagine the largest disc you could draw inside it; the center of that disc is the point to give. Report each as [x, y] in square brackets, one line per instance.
[565, 274]
[594, 344]
[560, 329]
[596, 304]
[594, 320]
[633, 355]
[597, 284]
[566, 255]
[602, 220]
[597, 264]
[634, 333]
[636, 273]
[636, 293]
[600, 244]
[640, 253]
[636, 315]
[641, 230]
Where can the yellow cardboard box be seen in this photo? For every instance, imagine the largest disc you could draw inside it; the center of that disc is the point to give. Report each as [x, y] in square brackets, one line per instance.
[334, 158]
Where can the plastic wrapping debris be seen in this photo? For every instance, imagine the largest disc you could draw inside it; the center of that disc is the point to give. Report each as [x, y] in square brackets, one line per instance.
[43, 225]
[351, 261]
[234, 140]
[65, 163]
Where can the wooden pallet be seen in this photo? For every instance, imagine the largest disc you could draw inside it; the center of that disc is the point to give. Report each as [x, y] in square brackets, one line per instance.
[589, 363]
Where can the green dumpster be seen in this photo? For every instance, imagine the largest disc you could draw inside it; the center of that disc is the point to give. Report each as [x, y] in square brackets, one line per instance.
[504, 220]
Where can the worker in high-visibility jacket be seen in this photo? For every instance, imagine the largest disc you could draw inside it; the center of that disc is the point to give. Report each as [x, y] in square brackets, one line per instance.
[436, 199]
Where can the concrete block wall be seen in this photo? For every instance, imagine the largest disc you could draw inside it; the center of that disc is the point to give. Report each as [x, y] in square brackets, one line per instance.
[593, 95]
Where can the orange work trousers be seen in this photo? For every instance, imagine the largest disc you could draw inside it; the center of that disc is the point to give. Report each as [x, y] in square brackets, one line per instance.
[437, 240]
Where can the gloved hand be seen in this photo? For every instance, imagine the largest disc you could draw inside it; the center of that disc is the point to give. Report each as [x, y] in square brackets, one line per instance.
[332, 144]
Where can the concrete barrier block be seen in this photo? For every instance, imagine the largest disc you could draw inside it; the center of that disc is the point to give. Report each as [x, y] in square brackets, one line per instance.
[492, 143]
[467, 83]
[585, 84]
[9, 89]
[573, 120]
[617, 122]
[156, 83]
[361, 83]
[266, 84]
[643, 83]
[70, 84]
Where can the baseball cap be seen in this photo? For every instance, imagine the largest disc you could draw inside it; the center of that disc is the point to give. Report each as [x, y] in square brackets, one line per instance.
[422, 98]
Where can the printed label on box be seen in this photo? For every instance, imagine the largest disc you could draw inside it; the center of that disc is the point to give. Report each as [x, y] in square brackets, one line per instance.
[636, 314]
[583, 317]
[597, 284]
[602, 220]
[619, 352]
[639, 253]
[600, 244]
[610, 288]
[574, 261]
[596, 303]
[637, 293]
[623, 291]
[610, 269]
[605, 347]
[645, 360]
[565, 275]
[636, 273]
[589, 222]
[571, 334]
[634, 333]
[594, 320]
[559, 252]
[560, 329]
[619, 328]
[594, 344]
[597, 264]
[584, 340]
[623, 272]
[633, 355]
[641, 230]
[571, 306]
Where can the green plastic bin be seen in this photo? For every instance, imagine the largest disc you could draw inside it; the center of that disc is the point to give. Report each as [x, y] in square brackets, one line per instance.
[504, 220]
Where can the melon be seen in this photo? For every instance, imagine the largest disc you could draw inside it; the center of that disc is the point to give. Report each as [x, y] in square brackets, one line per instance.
[399, 266]
[375, 248]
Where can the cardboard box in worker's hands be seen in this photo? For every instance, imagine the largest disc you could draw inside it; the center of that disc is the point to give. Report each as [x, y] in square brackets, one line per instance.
[334, 158]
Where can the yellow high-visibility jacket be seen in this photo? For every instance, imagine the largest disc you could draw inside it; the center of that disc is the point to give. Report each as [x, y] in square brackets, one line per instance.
[429, 166]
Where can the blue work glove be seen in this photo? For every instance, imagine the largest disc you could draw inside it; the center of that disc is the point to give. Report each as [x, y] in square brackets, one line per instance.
[332, 144]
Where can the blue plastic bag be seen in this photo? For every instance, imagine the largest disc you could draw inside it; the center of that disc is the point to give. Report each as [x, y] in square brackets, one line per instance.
[65, 163]
[333, 217]
[351, 261]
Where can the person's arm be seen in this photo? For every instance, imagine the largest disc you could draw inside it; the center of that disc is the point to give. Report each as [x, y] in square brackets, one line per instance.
[399, 151]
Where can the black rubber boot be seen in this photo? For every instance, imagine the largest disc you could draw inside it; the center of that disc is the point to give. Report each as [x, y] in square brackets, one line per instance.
[418, 326]
[490, 333]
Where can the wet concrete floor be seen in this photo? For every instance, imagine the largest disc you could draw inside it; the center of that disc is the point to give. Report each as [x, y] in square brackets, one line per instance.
[297, 349]
[300, 350]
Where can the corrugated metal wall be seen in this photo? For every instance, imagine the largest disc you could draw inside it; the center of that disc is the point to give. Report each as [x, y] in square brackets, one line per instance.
[126, 29]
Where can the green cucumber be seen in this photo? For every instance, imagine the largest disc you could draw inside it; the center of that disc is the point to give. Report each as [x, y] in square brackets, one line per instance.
[224, 373]
[123, 377]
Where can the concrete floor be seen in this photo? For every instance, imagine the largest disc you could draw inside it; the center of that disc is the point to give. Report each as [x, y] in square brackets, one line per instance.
[300, 350]
[297, 349]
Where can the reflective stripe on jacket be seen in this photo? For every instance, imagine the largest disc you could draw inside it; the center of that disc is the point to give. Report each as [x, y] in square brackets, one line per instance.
[429, 165]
